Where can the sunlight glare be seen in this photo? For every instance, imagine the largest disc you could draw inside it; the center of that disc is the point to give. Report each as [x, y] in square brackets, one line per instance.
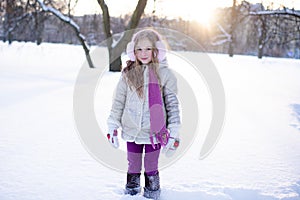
[202, 15]
[193, 10]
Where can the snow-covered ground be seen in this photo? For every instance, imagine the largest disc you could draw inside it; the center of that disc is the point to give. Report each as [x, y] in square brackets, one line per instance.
[42, 157]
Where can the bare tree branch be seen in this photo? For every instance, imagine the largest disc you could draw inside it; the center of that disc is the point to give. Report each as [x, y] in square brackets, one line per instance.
[134, 21]
[221, 39]
[136, 16]
[116, 48]
[18, 20]
[75, 27]
[285, 11]
[71, 7]
[106, 23]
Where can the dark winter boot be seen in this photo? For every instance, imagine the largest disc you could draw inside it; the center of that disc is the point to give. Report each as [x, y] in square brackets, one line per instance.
[152, 187]
[133, 186]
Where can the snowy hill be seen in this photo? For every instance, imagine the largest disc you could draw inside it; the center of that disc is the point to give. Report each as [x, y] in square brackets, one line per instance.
[42, 157]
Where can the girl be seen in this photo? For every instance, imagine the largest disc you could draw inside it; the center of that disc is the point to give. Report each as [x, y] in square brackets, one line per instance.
[146, 107]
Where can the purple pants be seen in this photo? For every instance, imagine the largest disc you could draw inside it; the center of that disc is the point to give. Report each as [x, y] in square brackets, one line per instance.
[135, 156]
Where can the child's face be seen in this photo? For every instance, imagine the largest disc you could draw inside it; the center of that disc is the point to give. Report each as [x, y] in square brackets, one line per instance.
[143, 51]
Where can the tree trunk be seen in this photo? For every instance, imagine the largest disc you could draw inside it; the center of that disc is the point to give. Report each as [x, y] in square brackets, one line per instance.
[39, 27]
[260, 43]
[10, 4]
[260, 52]
[115, 64]
[232, 27]
[116, 51]
[230, 49]
[262, 38]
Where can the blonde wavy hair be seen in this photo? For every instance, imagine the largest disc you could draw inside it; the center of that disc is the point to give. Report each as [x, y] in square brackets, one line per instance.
[133, 72]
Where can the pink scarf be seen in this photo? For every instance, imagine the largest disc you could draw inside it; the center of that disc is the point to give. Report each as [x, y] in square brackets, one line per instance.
[157, 120]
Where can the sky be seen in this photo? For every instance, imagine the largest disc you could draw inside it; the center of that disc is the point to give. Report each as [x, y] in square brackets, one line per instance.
[172, 8]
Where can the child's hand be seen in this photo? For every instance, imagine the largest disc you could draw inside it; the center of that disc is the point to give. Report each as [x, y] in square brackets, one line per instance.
[171, 147]
[113, 139]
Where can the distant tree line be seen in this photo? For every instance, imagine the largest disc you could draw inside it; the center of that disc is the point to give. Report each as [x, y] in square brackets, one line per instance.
[256, 30]
[248, 29]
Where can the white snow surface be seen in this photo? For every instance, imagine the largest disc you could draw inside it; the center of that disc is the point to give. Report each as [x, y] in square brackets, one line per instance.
[42, 157]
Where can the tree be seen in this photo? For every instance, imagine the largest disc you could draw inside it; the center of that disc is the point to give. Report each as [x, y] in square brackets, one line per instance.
[232, 28]
[75, 27]
[228, 25]
[115, 49]
[22, 16]
[10, 19]
[70, 7]
[265, 35]
[262, 33]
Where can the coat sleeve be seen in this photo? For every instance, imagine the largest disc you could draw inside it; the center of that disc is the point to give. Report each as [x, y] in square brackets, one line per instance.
[171, 103]
[118, 104]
